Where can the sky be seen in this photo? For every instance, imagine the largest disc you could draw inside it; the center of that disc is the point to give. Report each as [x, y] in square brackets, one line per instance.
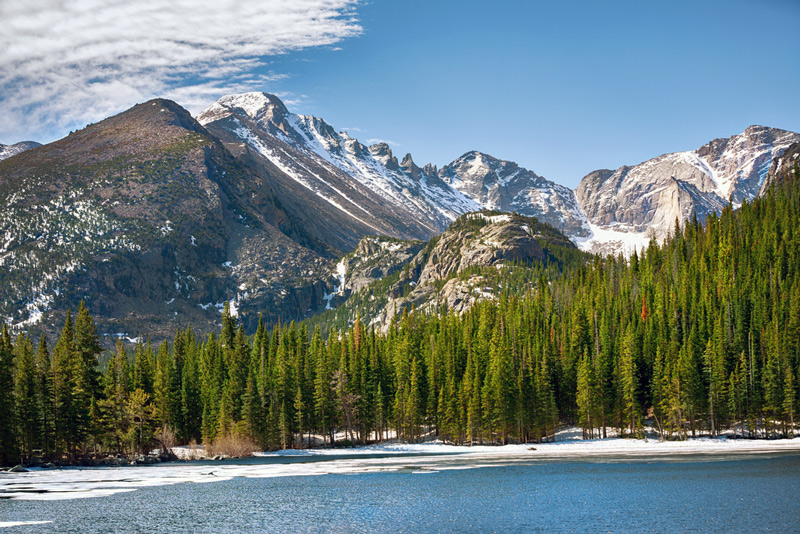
[561, 88]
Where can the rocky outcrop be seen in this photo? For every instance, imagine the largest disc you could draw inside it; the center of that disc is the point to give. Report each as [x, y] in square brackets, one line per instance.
[440, 277]
[451, 272]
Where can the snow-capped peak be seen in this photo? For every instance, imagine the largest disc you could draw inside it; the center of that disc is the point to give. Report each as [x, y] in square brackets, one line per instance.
[258, 106]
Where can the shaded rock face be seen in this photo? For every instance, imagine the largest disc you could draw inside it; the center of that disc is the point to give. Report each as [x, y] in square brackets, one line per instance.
[375, 258]
[783, 167]
[436, 275]
[649, 197]
[6, 151]
[151, 221]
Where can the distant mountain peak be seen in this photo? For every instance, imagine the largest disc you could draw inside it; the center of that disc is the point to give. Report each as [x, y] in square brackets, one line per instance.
[6, 151]
[257, 105]
[261, 107]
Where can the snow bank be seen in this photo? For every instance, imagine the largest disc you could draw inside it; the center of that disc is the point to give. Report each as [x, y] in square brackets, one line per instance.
[72, 483]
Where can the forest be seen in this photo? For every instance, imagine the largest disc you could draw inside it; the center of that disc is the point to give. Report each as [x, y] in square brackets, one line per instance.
[697, 335]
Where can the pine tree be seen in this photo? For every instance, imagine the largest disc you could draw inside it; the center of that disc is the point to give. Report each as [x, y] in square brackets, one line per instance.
[629, 383]
[586, 395]
[72, 402]
[789, 400]
[8, 436]
[44, 398]
[25, 392]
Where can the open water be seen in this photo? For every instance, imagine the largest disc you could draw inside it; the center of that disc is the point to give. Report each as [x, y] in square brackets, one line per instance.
[417, 493]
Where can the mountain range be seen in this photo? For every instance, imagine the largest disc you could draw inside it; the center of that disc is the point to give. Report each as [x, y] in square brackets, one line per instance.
[158, 218]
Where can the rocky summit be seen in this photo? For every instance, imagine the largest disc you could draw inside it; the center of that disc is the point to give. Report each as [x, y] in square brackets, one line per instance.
[344, 190]
[505, 186]
[340, 189]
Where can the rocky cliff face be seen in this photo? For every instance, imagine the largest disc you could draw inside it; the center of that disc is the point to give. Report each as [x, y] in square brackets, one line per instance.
[151, 221]
[626, 207]
[374, 258]
[467, 263]
[783, 167]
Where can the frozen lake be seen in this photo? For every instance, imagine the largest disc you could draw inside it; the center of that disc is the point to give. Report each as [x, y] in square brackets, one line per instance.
[425, 489]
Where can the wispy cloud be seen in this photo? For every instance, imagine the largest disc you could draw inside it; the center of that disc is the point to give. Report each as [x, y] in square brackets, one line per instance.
[67, 63]
[375, 141]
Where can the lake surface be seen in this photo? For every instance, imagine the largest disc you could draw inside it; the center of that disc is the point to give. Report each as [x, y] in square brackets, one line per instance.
[424, 493]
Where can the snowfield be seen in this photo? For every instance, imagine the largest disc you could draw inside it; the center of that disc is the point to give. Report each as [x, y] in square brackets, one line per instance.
[74, 482]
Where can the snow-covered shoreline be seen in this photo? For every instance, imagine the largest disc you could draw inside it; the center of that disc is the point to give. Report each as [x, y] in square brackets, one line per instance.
[566, 448]
[75, 482]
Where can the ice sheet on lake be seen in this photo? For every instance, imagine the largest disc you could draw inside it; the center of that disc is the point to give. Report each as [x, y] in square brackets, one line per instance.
[72, 483]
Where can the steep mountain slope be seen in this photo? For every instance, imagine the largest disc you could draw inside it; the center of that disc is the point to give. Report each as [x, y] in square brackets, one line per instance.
[6, 151]
[783, 167]
[627, 206]
[345, 190]
[340, 189]
[154, 223]
[480, 255]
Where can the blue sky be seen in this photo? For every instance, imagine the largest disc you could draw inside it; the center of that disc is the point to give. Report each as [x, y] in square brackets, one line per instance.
[560, 88]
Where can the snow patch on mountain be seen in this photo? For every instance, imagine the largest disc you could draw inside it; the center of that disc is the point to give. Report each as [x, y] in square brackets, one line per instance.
[613, 239]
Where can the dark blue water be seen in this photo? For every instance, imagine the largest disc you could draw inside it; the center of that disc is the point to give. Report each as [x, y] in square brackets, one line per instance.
[759, 494]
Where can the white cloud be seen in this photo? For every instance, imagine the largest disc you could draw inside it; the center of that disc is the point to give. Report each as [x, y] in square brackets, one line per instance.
[375, 141]
[70, 62]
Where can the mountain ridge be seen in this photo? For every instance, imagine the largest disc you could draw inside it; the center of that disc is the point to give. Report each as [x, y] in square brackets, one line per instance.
[153, 214]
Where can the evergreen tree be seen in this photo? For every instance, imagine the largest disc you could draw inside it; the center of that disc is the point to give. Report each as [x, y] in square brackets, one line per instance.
[8, 441]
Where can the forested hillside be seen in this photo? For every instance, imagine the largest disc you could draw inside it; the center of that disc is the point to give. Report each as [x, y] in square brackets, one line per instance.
[698, 335]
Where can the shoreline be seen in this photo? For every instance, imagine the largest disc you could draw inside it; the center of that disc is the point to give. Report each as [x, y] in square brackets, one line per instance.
[88, 482]
[564, 448]
[567, 443]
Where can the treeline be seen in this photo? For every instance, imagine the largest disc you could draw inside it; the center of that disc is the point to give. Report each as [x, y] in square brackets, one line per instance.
[697, 335]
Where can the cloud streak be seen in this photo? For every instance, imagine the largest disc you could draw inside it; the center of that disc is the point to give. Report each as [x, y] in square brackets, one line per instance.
[68, 62]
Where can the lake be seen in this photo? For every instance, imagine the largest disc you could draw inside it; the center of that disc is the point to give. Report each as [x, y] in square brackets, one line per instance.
[422, 493]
